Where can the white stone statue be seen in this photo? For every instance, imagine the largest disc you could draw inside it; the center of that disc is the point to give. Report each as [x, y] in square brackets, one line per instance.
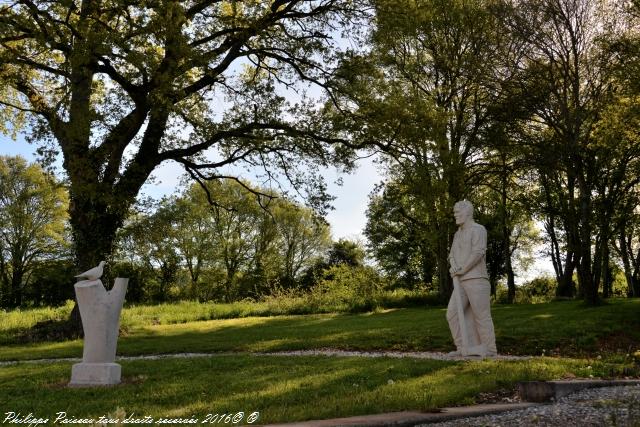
[469, 310]
[100, 312]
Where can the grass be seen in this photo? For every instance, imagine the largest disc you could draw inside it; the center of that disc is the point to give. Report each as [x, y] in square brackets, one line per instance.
[279, 388]
[310, 387]
[16, 322]
[560, 328]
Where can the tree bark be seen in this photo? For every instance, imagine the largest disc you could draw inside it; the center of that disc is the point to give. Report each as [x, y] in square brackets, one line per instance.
[16, 288]
[445, 283]
[585, 265]
[506, 237]
[94, 228]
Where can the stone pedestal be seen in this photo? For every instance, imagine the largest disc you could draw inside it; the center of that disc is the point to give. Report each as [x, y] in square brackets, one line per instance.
[91, 374]
[100, 313]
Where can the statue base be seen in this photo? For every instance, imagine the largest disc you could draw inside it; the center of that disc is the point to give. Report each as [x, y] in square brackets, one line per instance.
[476, 350]
[95, 374]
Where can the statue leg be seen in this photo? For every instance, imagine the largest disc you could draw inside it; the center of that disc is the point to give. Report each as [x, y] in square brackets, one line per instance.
[454, 321]
[479, 294]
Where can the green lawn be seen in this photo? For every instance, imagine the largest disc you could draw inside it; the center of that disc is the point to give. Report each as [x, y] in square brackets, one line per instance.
[560, 328]
[279, 388]
[298, 388]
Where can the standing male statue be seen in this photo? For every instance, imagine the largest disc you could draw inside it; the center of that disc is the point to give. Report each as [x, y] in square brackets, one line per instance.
[469, 310]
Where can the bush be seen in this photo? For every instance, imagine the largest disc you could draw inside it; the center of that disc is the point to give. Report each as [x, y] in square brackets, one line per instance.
[539, 290]
[400, 298]
[348, 288]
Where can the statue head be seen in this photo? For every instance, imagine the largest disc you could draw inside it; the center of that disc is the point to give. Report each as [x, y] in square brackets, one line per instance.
[463, 212]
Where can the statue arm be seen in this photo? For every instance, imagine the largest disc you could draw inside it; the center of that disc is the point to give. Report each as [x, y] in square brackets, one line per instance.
[452, 261]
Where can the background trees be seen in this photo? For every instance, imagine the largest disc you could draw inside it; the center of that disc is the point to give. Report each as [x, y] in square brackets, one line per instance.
[120, 87]
[426, 90]
[506, 103]
[33, 208]
[567, 72]
[526, 107]
[229, 251]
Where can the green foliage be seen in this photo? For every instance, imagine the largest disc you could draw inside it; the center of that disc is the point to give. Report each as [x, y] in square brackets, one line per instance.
[346, 252]
[424, 92]
[121, 87]
[400, 245]
[538, 290]
[244, 246]
[139, 277]
[33, 208]
[347, 288]
[50, 280]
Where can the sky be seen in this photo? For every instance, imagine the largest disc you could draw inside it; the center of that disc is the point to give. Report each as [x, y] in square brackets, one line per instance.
[347, 219]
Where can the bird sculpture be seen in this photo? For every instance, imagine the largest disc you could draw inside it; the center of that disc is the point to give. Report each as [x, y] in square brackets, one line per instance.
[93, 274]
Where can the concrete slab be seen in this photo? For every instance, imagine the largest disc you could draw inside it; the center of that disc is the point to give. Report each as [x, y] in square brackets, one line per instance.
[410, 418]
[545, 391]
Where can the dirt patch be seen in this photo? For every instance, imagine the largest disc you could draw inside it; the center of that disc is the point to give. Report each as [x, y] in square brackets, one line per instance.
[503, 395]
[50, 330]
[619, 342]
[129, 380]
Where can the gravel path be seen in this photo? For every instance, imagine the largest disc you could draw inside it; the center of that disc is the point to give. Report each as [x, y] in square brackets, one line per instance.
[319, 352]
[397, 354]
[596, 407]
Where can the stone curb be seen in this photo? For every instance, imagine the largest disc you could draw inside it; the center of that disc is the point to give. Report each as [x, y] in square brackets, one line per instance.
[545, 391]
[411, 418]
[534, 393]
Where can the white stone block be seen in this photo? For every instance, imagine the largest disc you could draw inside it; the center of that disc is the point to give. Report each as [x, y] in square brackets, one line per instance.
[92, 374]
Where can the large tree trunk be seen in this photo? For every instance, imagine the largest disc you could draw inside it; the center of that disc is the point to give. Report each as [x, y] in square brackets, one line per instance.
[563, 269]
[426, 264]
[16, 287]
[506, 238]
[445, 283]
[585, 266]
[94, 226]
[607, 284]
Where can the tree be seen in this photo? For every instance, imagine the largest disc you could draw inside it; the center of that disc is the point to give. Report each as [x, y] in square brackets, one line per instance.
[620, 128]
[346, 252]
[119, 87]
[32, 224]
[232, 250]
[399, 237]
[194, 238]
[151, 240]
[565, 80]
[424, 92]
[303, 237]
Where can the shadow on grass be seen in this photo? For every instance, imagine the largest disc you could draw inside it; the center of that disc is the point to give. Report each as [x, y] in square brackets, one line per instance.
[280, 388]
[563, 328]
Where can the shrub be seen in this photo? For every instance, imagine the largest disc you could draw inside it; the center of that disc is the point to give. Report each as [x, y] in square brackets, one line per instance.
[347, 288]
[400, 298]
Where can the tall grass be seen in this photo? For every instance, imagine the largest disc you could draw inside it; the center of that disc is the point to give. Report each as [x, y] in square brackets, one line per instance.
[282, 303]
[15, 322]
